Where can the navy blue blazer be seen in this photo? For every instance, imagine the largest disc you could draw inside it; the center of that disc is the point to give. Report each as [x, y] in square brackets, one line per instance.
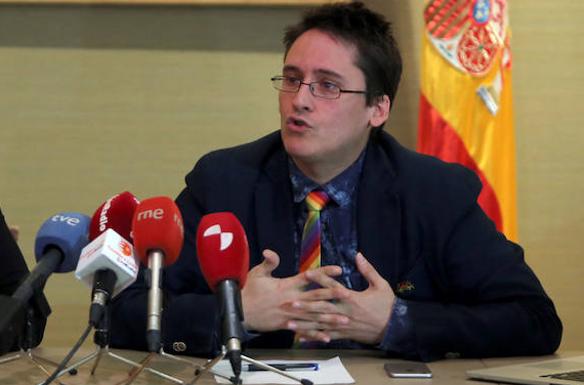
[468, 289]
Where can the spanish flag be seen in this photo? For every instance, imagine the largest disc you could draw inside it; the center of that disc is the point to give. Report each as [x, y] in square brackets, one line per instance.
[466, 109]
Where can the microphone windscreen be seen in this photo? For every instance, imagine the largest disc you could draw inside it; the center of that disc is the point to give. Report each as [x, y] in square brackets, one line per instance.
[158, 225]
[116, 213]
[66, 232]
[222, 249]
[112, 252]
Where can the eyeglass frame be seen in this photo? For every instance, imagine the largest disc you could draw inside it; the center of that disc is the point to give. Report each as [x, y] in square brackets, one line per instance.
[311, 87]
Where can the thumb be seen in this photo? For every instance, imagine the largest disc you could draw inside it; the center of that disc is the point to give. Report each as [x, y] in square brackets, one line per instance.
[367, 270]
[269, 264]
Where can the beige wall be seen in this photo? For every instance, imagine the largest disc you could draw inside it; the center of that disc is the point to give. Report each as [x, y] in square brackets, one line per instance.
[95, 100]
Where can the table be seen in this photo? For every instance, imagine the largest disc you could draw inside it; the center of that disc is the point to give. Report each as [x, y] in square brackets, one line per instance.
[366, 367]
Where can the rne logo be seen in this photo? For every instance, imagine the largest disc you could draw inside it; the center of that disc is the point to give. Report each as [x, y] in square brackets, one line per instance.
[177, 219]
[151, 214]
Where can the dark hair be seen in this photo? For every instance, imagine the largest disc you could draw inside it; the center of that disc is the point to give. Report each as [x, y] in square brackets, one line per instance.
[378, 54]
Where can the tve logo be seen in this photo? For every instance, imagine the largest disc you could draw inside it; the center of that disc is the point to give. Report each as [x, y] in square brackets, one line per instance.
[226, 237]
[71, 221]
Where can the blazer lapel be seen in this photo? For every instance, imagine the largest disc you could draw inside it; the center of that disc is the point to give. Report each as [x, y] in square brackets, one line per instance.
[378, 214]
[274, 213]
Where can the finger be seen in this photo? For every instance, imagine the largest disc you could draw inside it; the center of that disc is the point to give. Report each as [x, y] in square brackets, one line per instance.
[15, 231]
[301, 280]
[303, 325]
[269, 264]
[318, 276]
[368, 271]
[316, 335]
[315, 307]
[322, 294]
[320, 321]
[308, 331]
[330, 270]
[333, 321]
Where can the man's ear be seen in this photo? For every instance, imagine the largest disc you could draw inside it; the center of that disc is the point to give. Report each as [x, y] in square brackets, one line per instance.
[380, 111]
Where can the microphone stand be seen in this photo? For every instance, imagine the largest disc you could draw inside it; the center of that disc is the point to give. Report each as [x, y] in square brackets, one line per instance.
[236, 380]
[101, 337]
[26, 348]
[232, 326]
[153, 336]
[138, 368]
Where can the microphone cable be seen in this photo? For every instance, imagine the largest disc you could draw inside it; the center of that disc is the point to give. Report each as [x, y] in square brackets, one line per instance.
[70, 355]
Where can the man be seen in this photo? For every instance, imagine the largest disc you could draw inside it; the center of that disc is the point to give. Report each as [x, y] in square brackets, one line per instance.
[409, 263]
[13, 271]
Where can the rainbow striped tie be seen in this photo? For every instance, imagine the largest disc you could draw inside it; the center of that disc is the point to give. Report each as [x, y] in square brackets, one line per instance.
[310, 247]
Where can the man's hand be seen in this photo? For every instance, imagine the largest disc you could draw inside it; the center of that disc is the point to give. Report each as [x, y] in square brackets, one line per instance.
[267, 301]
[335, 312]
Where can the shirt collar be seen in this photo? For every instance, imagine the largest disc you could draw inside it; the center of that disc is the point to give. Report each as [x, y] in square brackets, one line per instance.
[340, 189]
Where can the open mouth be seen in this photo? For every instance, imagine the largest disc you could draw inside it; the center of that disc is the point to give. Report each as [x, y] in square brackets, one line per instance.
[297, 123]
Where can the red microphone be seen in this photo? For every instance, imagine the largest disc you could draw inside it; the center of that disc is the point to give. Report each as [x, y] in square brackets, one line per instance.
[116, 213]
[107, 264]
[223, 255]
[222, 249]
[158, 233]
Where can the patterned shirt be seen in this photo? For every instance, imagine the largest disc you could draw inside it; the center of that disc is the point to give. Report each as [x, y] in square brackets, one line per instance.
[339, 243]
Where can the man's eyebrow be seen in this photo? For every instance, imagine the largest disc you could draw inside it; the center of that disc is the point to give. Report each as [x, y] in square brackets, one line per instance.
[319, 72]
[290, 68]
[329, 73]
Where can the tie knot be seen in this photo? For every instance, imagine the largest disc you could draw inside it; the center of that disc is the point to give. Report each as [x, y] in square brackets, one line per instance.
[316, 200]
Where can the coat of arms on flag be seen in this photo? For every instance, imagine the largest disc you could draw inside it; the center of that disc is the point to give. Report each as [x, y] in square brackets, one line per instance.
[466, 101]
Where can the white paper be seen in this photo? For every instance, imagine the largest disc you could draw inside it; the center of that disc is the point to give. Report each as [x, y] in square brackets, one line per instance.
[329, 372]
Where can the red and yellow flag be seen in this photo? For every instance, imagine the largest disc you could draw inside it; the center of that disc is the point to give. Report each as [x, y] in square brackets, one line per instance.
[466, 109]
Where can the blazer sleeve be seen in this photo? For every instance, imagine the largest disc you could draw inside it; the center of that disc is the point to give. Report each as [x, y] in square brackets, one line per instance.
[13, 272]
[486, 300]
[14, 267]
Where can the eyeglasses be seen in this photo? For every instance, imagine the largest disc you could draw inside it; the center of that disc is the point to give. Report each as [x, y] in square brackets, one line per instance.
[321, 89]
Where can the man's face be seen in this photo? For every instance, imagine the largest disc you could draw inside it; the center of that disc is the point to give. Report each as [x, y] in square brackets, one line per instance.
[321, 132]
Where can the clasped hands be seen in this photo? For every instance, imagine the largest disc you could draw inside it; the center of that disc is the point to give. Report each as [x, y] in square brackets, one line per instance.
[327, 313]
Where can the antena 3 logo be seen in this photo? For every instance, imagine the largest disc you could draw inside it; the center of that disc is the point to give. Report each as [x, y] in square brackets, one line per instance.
[226, 237]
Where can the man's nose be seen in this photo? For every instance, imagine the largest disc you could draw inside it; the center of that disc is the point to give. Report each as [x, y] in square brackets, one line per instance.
[304, 99]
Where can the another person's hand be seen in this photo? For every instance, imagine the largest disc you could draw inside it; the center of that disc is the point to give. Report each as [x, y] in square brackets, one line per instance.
[267, 301]
[336, 312]
[14, 230]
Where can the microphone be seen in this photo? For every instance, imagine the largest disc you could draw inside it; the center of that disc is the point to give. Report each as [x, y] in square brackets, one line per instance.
[223, 254]
[158, 233]
[57, 247]
[115, 213]
[107, 264]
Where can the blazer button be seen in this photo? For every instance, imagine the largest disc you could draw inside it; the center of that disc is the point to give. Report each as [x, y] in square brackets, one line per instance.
[179, 346]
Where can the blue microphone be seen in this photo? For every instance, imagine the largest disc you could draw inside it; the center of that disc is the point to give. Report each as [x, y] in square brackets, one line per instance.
[57, 248]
